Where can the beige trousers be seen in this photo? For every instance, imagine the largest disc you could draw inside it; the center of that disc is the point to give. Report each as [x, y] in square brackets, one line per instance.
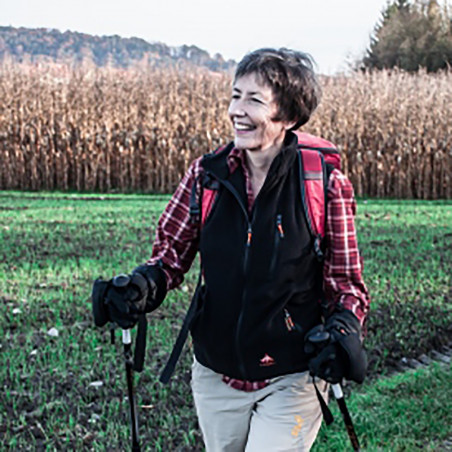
[284, 416]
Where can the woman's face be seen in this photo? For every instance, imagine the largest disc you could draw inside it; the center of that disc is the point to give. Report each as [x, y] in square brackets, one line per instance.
[251, 111]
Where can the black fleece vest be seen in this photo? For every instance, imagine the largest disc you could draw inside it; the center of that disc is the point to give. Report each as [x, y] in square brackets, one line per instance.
[262, 278]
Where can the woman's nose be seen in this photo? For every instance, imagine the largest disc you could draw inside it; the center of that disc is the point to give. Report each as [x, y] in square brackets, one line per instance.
[236, 108]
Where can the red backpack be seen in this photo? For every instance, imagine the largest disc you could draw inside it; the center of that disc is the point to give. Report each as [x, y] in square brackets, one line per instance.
[315, 153]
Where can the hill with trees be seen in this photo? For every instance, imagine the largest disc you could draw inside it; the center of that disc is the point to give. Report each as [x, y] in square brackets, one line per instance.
[43, 44]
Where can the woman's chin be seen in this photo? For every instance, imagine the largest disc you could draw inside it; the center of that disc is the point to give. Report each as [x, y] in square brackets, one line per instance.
[243, 143]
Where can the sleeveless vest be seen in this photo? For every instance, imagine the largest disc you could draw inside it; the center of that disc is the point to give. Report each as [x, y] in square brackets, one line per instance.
[262, 279]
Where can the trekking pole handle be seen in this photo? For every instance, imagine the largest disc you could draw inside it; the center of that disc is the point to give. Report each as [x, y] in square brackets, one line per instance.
[121, 280]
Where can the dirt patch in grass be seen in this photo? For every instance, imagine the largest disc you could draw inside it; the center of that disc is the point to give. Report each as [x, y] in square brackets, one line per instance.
[401, 330]
[12, 209]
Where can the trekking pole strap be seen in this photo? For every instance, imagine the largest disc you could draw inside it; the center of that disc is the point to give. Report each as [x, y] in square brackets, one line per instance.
[140, 344]
[326, 413]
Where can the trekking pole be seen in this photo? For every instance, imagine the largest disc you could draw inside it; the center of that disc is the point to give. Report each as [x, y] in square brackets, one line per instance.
[339, 396]
[127, 342]
[319, 337]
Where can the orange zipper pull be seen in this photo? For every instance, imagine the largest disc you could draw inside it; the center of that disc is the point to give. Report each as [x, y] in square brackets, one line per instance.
[279, 226]
[289, 322]
[250, 234]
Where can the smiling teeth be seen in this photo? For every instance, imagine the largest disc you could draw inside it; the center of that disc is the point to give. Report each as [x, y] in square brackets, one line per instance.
[243, 127]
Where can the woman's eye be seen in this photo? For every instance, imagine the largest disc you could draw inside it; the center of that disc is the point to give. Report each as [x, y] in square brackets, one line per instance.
[258, 101]
[235, 96]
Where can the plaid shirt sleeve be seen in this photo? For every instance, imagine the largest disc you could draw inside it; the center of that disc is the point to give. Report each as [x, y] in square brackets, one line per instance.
[177, 237]
[342, 273]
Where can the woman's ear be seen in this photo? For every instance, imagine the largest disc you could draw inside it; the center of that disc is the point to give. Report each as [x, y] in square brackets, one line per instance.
[289, 125]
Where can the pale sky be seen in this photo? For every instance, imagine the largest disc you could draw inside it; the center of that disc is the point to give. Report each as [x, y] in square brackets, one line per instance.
[332, 31]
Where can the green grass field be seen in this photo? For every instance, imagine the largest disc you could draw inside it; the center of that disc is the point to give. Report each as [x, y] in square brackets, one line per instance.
[67, 391]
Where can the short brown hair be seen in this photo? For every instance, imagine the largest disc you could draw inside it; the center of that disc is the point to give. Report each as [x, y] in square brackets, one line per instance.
[290, 74]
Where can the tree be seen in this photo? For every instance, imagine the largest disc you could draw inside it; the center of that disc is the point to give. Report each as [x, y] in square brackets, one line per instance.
[412, 35]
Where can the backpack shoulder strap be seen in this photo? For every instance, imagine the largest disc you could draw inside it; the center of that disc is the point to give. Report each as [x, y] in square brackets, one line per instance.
[208, 198]
[313, 186]
[201, 203]
[202, 196]
[183, 334]
[204, 191]
[327, 148]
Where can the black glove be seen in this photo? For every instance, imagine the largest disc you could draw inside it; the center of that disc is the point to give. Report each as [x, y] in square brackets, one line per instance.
[125, 297]
[337, 349]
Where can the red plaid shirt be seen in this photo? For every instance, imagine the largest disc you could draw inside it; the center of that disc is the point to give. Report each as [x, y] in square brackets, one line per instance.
[177, 241]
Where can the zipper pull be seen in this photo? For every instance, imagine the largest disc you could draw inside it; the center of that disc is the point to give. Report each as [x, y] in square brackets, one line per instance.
[250, 234]
[279, 225]
[288, 319]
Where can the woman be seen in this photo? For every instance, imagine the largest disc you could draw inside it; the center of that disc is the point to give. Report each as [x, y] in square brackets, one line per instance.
[262, 281]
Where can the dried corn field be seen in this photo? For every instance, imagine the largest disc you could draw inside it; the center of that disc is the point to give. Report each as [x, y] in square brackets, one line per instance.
[108, 130]
[394, 130]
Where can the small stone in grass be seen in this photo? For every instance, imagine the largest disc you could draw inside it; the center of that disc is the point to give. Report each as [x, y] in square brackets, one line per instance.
[94, 418]
[53, 332]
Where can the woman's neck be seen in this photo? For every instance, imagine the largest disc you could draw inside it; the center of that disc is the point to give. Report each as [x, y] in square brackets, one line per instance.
[258, 165]
[259, 162]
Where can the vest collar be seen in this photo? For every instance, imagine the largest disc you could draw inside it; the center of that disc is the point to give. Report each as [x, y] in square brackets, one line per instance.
[225, 162]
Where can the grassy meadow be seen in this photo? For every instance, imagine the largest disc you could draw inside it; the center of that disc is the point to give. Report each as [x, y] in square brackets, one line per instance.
[63, 383]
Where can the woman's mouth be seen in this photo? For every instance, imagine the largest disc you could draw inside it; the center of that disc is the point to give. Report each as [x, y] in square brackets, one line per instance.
[243, 128]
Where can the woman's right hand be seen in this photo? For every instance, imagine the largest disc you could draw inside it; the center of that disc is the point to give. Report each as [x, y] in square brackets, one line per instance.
[121, 300]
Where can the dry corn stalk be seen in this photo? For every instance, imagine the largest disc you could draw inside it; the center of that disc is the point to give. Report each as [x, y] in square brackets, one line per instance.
[91, 129]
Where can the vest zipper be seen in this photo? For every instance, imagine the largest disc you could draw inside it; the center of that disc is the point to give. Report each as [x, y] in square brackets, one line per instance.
[241, 360]
[249, 236]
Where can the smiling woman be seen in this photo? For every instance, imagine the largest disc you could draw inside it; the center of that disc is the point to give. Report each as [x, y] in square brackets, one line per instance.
[258, 294]
[252, 111]
[272, 94]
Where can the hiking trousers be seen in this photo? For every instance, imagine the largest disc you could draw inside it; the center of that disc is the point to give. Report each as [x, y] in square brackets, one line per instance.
[284, 416]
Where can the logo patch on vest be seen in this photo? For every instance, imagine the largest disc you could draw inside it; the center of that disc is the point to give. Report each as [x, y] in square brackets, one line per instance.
[267, 360]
